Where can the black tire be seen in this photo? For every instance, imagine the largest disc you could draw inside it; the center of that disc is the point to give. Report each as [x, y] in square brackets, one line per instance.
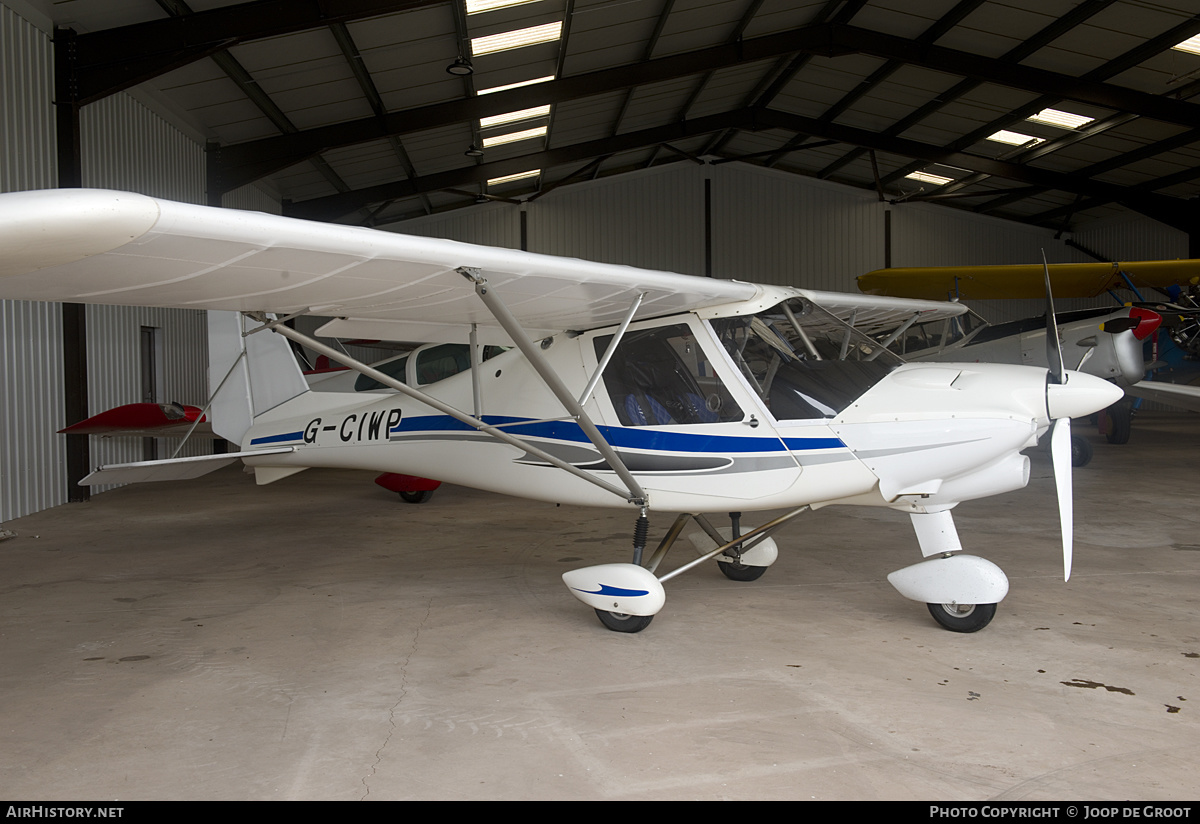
[741, 572]
[1081, 451]
[416, 497]
[1120, 421]
[963, 617]
[620, 622]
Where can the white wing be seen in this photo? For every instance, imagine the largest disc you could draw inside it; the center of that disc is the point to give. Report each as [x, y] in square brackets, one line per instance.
[96, 246]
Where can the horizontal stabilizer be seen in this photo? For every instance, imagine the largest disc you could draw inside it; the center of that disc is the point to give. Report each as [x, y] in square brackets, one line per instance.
[171, 469]
[144, 420]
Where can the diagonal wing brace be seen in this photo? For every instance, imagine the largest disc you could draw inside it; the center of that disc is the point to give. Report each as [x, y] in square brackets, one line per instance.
[634, 494]
[553, 382]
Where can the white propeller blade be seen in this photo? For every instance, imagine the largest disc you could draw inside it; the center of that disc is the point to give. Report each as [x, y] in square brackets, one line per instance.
[1054, 355]
[1060, 454]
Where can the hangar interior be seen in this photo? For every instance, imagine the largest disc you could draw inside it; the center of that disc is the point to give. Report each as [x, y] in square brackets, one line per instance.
[773, 141]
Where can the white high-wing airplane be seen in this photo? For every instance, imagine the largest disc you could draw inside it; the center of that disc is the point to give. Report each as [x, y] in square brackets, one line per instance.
[625, 387]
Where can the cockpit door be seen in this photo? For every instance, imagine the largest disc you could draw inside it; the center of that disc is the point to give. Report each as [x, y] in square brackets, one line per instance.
[677, 420]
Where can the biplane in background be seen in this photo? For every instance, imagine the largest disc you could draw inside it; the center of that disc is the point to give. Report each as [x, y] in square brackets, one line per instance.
[627, 388]
[1121, 344]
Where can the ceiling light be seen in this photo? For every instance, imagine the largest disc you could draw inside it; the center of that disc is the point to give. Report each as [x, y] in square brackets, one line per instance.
[496, 181]
[1191, 45]
[925, 177]
[513, 117]
[480, 6]
[474, 151]
[1063, 120]
[513, 137]
[1014, 138]
[460, 67]
[545, 79]
[516, 39]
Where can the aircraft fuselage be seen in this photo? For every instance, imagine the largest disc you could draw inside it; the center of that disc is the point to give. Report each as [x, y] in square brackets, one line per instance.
[687, 405]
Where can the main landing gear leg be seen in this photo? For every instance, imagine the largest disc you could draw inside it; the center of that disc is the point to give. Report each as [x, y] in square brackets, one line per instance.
[736, 570]
[627, 596]
[620, 621]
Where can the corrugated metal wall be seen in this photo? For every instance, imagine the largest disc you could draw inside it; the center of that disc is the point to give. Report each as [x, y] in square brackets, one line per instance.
[32, 457]
[1138, 238]
[772, 227]
[928, 235]
[128, 147]
[492, 224]
[125, 146]
[26, 109]
[253, 198]
[652, 219]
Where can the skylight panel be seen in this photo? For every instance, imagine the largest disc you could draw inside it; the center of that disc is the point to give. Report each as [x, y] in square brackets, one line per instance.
[1063, 120]
[545, 79]
[480, 6]
[513, 137]
[516, 39]
[496, 181]
[1191, 45]
[1014, 138]
[513, 117]
[926, 177]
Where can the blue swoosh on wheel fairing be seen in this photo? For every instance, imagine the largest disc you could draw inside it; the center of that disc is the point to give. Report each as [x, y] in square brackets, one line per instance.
[605, 589]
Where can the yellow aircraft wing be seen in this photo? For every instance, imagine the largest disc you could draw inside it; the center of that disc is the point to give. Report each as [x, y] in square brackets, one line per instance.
[1069, 280]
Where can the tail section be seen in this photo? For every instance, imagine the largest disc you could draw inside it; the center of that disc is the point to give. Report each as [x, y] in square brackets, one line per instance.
[247, 375]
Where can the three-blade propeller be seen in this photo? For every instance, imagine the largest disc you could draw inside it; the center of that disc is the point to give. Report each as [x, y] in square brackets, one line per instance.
[1060, 436]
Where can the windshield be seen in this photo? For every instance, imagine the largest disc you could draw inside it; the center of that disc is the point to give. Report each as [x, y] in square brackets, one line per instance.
[802, 362]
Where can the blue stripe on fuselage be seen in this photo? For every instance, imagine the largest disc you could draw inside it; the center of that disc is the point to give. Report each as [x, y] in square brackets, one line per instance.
[287, 436]
[623, 437]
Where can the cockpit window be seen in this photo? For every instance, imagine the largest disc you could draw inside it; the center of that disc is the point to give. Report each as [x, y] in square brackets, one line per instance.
[434, 363]
[802, 366]
[394, 368]
[662, 376]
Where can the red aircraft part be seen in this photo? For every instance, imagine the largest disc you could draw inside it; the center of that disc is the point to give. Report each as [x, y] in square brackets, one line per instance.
[141, 419]
[394, 482]
[1148, 321]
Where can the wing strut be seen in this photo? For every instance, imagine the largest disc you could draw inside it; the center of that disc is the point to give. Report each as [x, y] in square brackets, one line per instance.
[612, 347]
[845, 350]
[553, 382]
[634, 495]
[900, 330]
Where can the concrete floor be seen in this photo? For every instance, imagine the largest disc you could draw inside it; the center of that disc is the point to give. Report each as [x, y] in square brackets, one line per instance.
[318, 639]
